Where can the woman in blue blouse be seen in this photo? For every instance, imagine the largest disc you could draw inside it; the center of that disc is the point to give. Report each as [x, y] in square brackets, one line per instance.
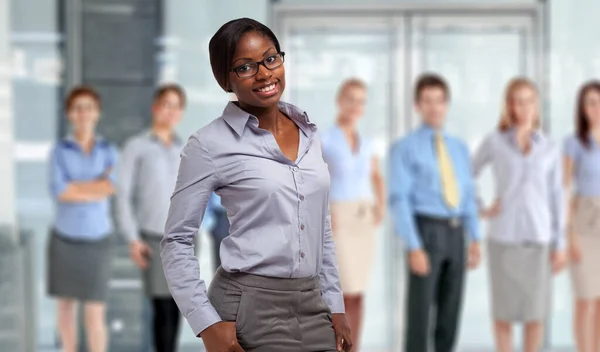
[526, 225]
[582, 171]
[355, 213]
[82, 178]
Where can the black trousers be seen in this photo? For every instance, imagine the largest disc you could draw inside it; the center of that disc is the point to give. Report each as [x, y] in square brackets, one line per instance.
[165, 324]
[434, 301]
[219, 231]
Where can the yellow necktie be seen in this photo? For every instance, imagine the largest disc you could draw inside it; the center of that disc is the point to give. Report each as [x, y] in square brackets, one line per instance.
[449, 186]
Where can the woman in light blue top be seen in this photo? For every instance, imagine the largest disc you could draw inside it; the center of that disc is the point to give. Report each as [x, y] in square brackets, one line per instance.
[526, 221]
[82, 178]
[355, 213]
[582, 171]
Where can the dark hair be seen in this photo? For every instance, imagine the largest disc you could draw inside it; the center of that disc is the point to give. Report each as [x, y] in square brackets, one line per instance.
[583, 125]
[431, 80]
[80, 91]
[162, 90]
[223, 44]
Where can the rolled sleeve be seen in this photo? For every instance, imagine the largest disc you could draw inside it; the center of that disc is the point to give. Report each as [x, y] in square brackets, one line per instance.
[58, 177]
[113, 159]
[196, 181]
[558, 204]
[400, 187]
[126, 176]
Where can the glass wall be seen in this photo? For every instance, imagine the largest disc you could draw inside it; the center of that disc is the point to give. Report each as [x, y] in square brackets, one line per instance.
[37, 87]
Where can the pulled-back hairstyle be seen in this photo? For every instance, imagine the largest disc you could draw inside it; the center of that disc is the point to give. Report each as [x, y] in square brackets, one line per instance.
[223, 44]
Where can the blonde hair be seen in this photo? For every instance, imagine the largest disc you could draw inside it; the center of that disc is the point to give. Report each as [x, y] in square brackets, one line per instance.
[350, 83]
[507, 119]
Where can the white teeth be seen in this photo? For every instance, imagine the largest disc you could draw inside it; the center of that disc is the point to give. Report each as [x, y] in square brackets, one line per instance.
[267, 88]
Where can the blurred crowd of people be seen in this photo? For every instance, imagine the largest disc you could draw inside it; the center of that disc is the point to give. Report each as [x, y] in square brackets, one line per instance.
[543, 219]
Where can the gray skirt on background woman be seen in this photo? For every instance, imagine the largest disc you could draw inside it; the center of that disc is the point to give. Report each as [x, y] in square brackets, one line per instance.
[521, 281]
[78, 269]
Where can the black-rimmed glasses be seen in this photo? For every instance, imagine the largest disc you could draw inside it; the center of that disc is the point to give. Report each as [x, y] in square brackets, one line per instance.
[250, 69]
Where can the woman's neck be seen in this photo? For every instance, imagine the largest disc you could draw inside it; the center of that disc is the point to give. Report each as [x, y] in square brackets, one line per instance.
[268, 117]
[595, 133]
[523, 137]
[346, 125]
[85, 139]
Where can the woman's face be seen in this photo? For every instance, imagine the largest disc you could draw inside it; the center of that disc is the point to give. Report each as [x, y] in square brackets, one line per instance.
[84, 114]
[524, 106]
[351, 103]
[591, 106]
[265, 88]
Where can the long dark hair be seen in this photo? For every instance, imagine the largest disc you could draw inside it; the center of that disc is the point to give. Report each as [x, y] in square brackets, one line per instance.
[583, 124]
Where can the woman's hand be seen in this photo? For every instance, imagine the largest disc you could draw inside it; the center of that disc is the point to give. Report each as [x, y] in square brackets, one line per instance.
[558, 260]
[492, 211]
[378, 213]
[574, 250]
[342, 332]
[221, 337]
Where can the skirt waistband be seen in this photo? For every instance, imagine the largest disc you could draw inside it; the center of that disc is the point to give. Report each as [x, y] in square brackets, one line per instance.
[271, 283]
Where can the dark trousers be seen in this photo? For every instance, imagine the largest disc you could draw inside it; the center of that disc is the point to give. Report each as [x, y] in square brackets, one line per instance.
[165, 324]
[219, 231]
[434, 301]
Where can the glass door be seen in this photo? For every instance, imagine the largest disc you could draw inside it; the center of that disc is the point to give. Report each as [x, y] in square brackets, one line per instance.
[477, 56]
[476, 48]
[320, 55]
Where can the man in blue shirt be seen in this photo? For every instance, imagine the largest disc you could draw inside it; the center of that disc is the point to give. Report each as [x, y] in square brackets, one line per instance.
[433, 202]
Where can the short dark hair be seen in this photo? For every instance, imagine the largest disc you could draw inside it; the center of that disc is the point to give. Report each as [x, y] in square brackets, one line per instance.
[431, 80]
[223, 44]
[162, 90]
[581, 120]
[80, 91]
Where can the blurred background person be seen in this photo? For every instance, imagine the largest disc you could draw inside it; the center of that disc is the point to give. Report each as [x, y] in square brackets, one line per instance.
[582, 173]
[526, 239]
[433, 203]
[355, 213]
[82, 178]
[217, 223]
[147, 176]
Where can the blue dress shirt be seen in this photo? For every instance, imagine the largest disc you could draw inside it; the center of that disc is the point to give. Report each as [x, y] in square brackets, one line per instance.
[68, 163]
[415, 184]
[587, 165]
[350, 172]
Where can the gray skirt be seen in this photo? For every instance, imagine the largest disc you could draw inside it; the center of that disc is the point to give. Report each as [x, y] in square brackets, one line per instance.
[155, 283]
[272, 314]
[521, 278]
[78, 269]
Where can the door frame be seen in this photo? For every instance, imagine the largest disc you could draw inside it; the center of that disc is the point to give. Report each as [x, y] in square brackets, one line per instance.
[400, 17]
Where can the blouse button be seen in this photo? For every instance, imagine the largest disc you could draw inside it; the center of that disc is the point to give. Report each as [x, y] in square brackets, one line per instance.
[302, 227]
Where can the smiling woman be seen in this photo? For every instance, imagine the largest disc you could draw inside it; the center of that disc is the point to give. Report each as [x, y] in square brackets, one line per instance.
[278, 288]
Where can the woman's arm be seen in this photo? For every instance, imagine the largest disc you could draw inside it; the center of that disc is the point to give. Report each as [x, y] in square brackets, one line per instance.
[196, 181]
[378, 188]
[64, 190]
[557, 203]
[482, 158]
